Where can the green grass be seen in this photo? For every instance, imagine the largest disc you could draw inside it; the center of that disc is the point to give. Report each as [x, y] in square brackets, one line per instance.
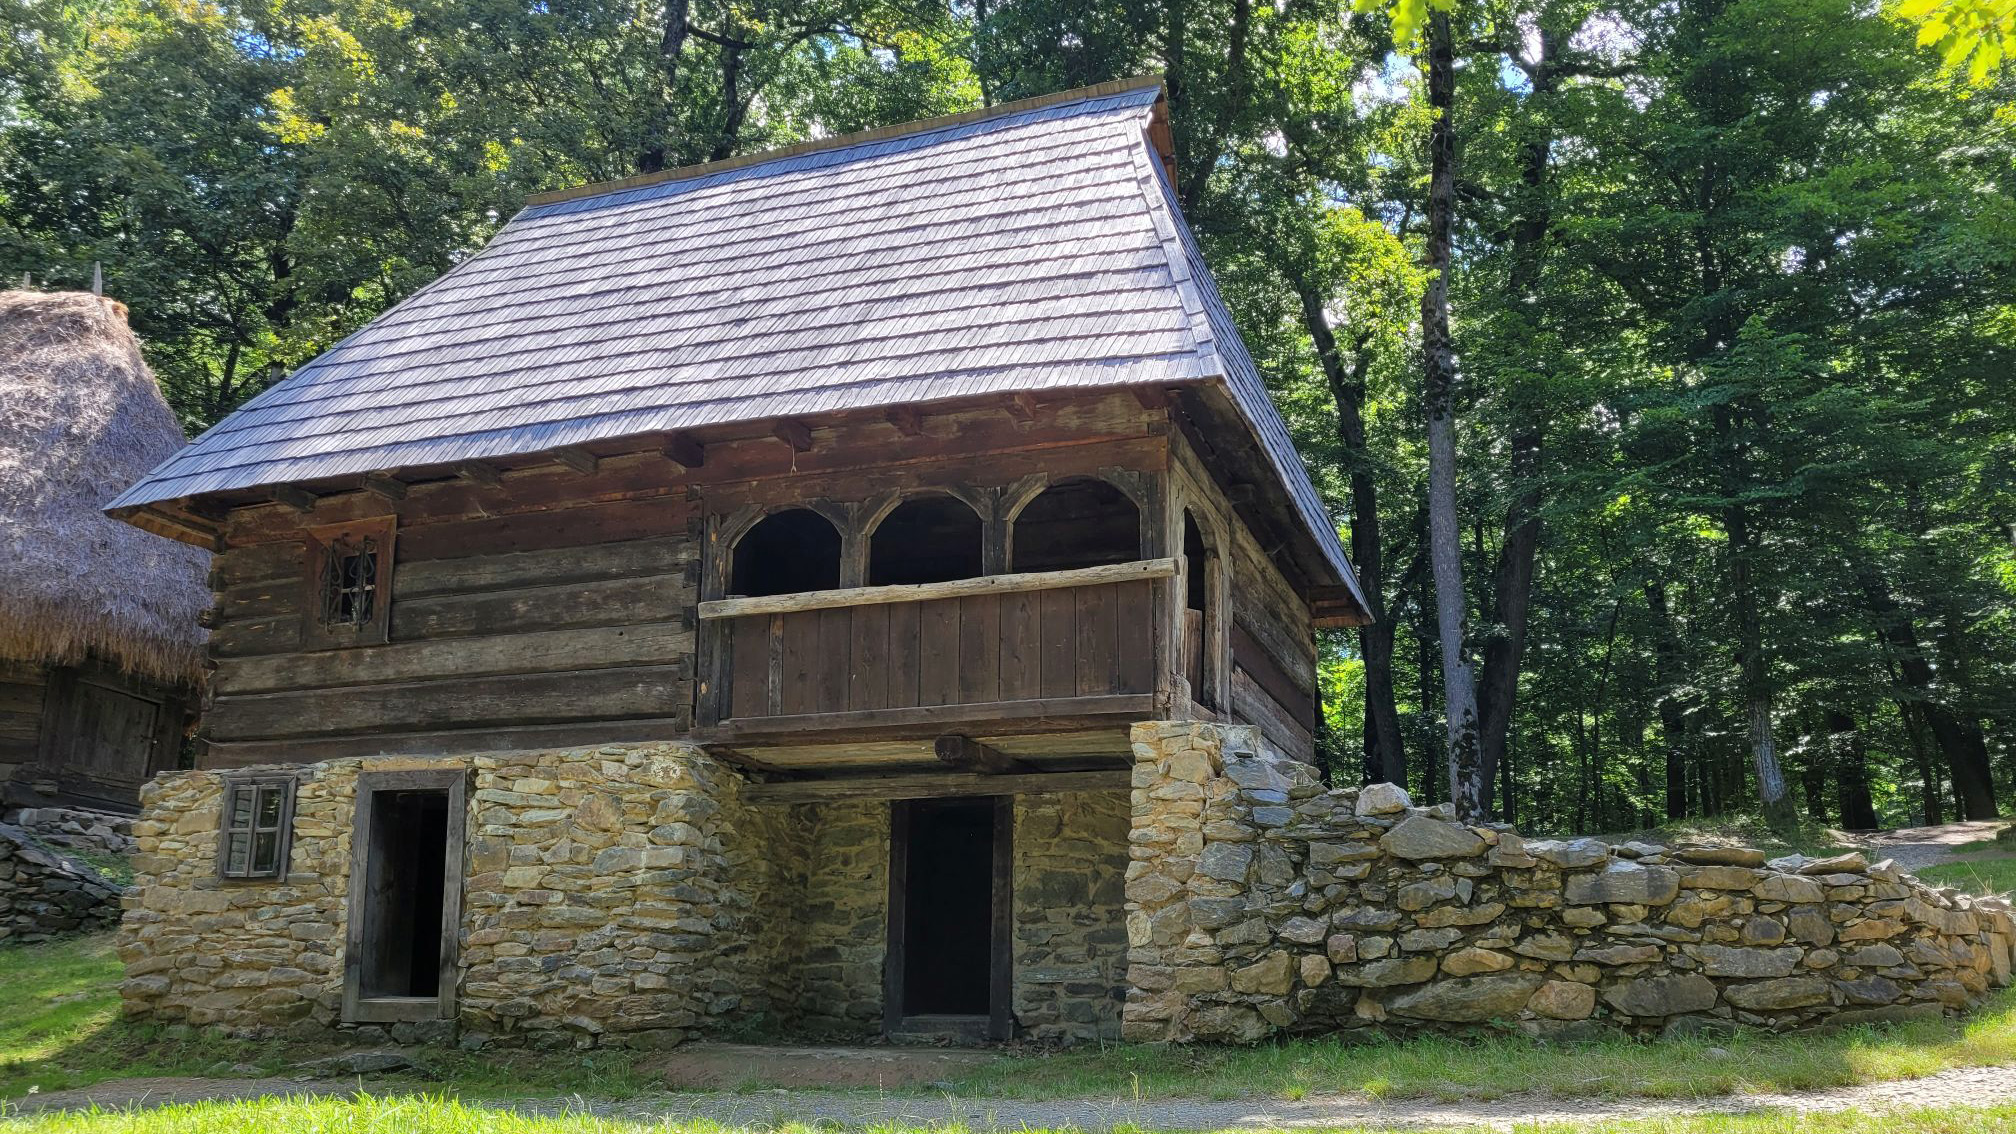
[1811, 839]
[60, 1028]
[1980, 876]
[422, 1114]
[1433, 1066]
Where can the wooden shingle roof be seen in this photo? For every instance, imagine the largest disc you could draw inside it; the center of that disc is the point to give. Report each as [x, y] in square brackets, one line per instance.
[1033, 247]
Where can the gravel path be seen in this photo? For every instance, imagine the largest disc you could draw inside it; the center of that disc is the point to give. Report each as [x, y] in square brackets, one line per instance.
[762, 1110]
[1916, 848]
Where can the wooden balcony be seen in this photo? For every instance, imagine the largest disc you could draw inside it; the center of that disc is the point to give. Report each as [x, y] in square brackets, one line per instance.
[1041, 652]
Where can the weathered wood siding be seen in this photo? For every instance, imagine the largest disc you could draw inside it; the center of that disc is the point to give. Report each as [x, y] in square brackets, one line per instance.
[503, 628]
[21, 690]
[1269, 636]
[557, 606]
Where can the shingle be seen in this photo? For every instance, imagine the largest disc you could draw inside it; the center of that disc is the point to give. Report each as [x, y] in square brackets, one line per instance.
[1033, 250]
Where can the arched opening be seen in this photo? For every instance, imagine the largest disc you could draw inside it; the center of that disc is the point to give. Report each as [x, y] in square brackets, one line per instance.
[1200, 569]
[1081, 522]
[785, 553]
[932, 539]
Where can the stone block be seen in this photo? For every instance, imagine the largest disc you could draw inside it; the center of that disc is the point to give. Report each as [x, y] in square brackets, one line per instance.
[1420, 837]
[1655, 996]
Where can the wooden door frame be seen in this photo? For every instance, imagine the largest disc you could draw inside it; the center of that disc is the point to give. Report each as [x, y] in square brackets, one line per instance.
[1000, 947]
[358, 1008]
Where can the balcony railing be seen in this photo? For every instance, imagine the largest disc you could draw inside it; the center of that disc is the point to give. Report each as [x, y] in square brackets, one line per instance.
[1000, 648]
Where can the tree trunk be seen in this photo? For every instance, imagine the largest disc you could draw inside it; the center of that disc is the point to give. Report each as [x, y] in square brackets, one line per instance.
[658, 127]
[1512, 584]
[1445, 547]
[1673, 738]
[1385, 753]
[1851, 772]
[1962, 743]
[1772, 798]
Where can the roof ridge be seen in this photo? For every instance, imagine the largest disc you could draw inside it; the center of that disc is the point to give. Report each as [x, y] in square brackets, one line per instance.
[844, 141]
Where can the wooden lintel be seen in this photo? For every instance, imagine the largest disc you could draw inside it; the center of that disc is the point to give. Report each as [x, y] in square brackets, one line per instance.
[908, 420]
[681, 449]
[163, 522]
[378, 484]
[796, 434]
[956, 588]
[969, 755]
[580, 460]
[931, 785]
[1150, 397]
[480, 472]
[299, 499]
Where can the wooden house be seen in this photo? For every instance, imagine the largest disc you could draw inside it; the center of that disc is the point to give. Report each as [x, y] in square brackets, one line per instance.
[898, 473]
[100, 647]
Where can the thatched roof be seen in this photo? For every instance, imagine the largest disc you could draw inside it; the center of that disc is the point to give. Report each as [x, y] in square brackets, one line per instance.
[80, 419]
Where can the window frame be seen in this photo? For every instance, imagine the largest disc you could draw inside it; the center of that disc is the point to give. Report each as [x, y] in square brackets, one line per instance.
[283, 831]
[322, 545]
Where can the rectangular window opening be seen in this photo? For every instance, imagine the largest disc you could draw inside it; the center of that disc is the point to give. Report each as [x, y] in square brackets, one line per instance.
[253, 836]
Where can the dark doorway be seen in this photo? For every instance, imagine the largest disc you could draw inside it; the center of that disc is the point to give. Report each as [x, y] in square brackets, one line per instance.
[402, 931]
[947, 968]
[405, 897]
[932, 539]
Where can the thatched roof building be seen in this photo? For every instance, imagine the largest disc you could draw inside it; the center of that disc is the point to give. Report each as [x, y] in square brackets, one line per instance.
[80, 419]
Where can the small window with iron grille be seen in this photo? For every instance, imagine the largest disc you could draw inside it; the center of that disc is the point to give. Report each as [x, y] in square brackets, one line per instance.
[253, 838]
[349, 580]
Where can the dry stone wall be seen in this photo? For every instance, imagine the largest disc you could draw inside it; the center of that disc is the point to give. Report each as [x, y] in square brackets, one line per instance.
[612, 895]
[1259, 902]
[1070, 932]
[45, 893]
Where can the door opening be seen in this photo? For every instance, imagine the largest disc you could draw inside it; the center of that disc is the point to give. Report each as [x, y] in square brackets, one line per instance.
[402, 926]
[405, 897]
[948, 918]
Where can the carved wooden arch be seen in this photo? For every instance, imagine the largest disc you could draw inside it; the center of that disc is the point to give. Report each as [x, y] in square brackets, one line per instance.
[1138, 487]
[729, 530]
[869, 514]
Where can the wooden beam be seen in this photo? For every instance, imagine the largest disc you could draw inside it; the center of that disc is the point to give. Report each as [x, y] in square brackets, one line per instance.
[162, 522]
[681, 449]
[1021, 407]
[378, 484]
[480, 472]
[796, 434]
[987, 718]
[932, 785]
[957, 588]
[969, 755]
[299, 499]
[1150, 397]
[580, 460]
[908, 420]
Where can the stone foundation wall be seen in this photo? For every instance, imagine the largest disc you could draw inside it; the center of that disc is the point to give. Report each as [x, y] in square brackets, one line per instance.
[1258, 902]
[1070, 930]
[841, 932]
[610, 896]
[45, 894]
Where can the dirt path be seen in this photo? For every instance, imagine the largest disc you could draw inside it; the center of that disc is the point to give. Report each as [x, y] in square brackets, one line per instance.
[1916, 848]
[764, 1110]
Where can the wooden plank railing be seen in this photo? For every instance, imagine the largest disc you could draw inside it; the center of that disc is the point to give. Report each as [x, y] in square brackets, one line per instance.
[993, 641]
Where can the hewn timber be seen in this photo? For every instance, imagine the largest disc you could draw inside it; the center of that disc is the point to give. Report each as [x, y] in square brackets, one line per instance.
[932, 785]
[926, 592]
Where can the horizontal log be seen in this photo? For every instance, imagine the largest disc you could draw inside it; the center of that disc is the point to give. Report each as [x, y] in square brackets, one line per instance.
[600, 647]
[1047, 714]
[612, 602]
[522, 699]
[421, 578]
[932, 785]
[925, 592]
[442, 742]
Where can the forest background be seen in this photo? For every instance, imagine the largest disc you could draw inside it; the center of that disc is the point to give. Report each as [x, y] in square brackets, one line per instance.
[1725, 372]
